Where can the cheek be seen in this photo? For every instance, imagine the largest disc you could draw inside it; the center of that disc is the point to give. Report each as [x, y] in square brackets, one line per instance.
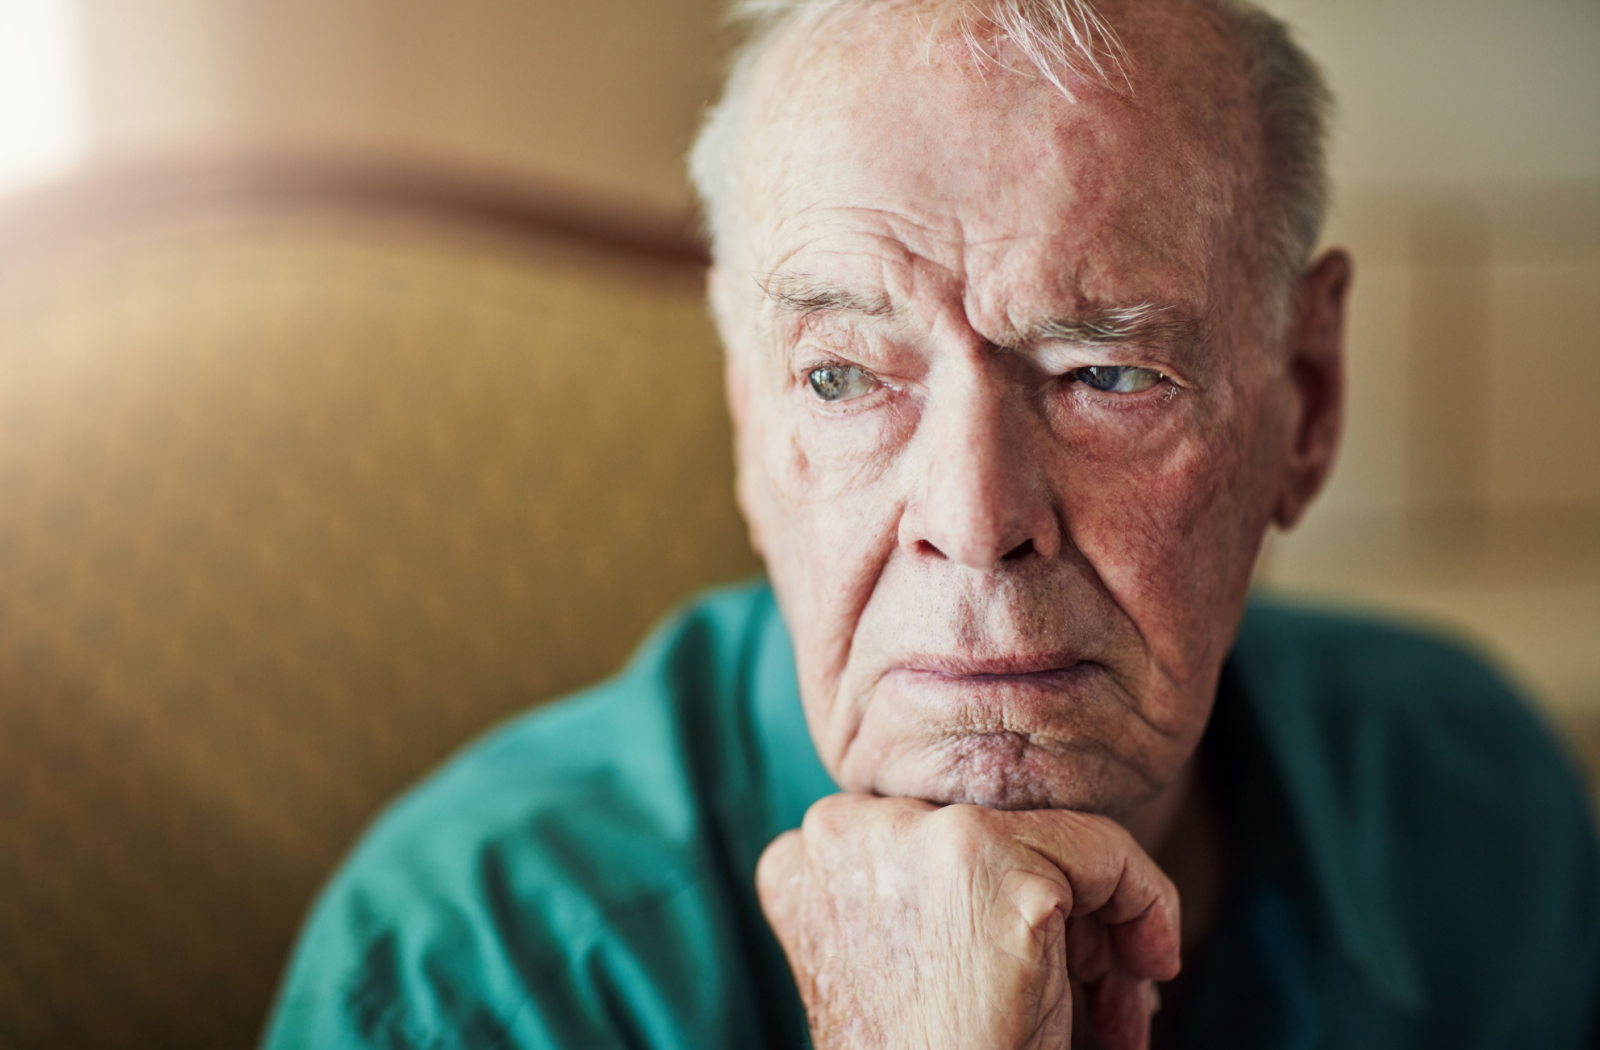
[1171, 517]
[829, 481]
[825, 493]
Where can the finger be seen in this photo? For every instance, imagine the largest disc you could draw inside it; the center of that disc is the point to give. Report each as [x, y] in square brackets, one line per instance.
[778, 876]
[1121, 1006]
[1090, 951]
[1115, 880]
[1150, 943]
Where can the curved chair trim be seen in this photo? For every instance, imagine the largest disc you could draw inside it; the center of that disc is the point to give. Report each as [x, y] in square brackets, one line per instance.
[116, 195]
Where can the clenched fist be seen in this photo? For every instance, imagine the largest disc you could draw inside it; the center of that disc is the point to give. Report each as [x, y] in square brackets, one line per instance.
[962, 927]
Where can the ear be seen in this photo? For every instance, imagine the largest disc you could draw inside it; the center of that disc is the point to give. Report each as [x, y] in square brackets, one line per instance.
[736, 384]
[1316, 372]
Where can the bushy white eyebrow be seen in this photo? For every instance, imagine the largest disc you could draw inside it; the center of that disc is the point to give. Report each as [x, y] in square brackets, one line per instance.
[1149, 324]
[803, 294]
[1165, 329]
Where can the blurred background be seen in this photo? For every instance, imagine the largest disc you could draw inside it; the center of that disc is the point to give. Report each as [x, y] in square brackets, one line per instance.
[355, 393]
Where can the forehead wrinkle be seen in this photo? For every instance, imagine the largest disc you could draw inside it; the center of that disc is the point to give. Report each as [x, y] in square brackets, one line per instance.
[883, 234]
[904, 281]
[895, 222]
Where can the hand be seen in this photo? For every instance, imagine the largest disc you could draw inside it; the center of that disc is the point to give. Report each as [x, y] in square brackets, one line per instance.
[912, 925]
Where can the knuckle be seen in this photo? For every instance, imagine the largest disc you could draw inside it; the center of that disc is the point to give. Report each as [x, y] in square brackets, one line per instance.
[1100, 839]
[1038, 899]
[961, 821]
[828, 816]
[963, 834]
[1097, 828]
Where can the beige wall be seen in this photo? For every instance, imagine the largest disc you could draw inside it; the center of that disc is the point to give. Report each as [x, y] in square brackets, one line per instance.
[1467, 165]
[1468, 491]
[1455, 91]
[599, 95]
[1431, 91]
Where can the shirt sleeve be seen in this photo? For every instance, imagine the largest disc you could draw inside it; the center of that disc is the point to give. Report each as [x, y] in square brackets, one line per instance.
[430, 973]
[564, 883]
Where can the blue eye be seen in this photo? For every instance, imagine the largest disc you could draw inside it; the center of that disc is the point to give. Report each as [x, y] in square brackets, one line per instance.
[1117, 379]
[840, 382]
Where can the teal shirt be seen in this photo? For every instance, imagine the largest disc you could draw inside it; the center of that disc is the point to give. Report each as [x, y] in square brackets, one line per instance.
[1413, 862]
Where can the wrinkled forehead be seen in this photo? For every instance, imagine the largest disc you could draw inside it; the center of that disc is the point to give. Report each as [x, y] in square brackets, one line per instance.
[890, 119]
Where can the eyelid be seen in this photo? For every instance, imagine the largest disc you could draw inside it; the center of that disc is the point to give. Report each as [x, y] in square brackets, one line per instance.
[1157, 395]
[1060, 359]
[814, 350]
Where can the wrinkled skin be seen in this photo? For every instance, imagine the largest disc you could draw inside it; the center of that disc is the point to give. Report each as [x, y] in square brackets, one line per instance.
[1007, 589]
[914, 925]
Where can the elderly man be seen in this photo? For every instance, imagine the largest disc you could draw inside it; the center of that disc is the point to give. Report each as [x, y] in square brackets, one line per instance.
[1025, 352]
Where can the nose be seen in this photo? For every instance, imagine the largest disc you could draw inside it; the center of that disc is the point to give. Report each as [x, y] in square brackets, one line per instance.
[983, 497]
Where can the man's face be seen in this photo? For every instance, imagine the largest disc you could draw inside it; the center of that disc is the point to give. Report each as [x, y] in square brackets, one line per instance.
[1009, 424]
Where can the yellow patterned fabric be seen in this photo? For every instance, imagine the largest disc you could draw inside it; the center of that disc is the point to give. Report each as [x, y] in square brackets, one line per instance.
[290, 508]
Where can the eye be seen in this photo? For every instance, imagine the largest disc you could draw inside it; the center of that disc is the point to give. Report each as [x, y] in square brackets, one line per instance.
[1117, 379]
[840, 382]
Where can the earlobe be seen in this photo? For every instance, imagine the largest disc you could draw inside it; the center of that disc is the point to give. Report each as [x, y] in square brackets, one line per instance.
[1316, 373]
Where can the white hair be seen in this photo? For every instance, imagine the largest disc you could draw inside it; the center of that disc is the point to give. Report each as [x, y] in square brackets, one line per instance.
[1068, 41]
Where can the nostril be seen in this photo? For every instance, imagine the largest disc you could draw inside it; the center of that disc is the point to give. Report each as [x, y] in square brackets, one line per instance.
[1020, 551]
[929, 550]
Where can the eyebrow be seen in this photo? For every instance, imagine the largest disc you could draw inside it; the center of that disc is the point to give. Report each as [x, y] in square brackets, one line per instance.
[802, 293]
[1148, 323]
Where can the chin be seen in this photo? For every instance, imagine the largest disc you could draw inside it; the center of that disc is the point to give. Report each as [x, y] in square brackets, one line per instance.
[1005, 770]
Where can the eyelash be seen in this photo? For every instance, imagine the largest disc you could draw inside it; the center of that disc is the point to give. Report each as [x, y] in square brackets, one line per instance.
[1124, 402]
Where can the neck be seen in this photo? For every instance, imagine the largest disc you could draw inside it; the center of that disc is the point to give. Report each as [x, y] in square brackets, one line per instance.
[1156, 819]
[1182, 830]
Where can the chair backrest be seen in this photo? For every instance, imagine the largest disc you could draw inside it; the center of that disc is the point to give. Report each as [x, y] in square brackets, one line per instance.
[295, 497]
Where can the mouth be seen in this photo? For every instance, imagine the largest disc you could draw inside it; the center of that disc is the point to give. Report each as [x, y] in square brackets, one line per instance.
[1013, 690]
[1015, 732]
[1042, 668]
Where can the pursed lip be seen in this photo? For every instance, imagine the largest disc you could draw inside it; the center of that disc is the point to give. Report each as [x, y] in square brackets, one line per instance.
[974, 669]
